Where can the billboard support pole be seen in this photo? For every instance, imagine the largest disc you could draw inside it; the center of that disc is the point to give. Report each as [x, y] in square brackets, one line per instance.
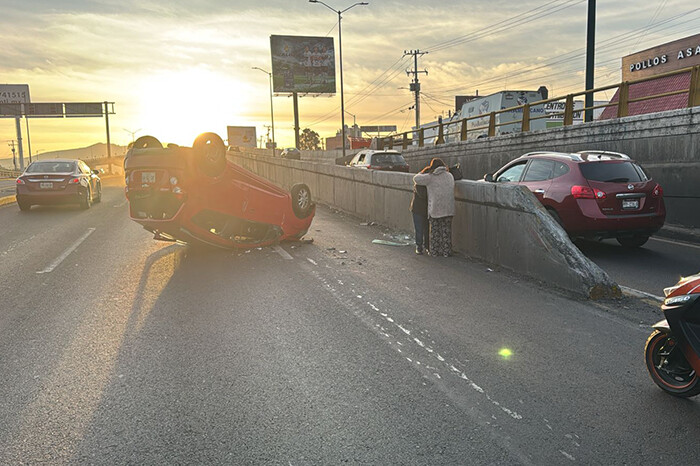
[295, 99]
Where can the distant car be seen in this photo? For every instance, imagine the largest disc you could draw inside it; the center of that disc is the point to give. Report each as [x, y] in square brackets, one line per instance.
[591, 194]
[58, 181]
[291, 153]
[386, 160]
[195, 195]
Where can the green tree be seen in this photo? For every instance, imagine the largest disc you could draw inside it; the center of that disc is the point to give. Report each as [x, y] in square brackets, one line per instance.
[309, 140]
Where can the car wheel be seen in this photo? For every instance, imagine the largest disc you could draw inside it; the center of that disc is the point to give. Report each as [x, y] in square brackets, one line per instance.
[147, 142]
[301, 200]
[23, 206]
[99, 193]
[86, 201]
[632, 241]
[210, 154]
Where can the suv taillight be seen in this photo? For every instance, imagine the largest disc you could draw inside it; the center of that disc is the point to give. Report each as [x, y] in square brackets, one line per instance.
[20, 181]
[586, 192]
[658, 191]
[75, 180]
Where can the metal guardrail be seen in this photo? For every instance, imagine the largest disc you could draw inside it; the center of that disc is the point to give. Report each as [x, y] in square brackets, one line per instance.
[9, 173]
[443, 129]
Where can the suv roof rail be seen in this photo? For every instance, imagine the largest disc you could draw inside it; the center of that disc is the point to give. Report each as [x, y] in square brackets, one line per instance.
[574, 157]
[602, 154]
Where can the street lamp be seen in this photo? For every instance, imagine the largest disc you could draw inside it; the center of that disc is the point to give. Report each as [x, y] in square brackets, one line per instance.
[272, 113]
[340, 48]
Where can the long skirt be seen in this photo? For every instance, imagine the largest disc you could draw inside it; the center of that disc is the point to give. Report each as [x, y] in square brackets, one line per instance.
[441, 236]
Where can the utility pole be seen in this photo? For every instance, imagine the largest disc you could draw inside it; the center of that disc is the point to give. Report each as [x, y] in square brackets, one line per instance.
[415, 84]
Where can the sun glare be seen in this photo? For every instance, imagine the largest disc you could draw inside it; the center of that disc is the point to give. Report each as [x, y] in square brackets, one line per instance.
[177, 106]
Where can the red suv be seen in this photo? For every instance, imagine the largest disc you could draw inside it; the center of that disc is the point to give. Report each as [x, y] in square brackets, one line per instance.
[197, 195]
[591, 194]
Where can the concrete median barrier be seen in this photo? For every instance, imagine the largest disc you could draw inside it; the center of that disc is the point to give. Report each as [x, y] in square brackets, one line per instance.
[502, 225]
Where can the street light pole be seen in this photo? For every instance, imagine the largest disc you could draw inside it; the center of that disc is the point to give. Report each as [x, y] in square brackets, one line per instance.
[590, 60]
[340, 48]
[272, 113]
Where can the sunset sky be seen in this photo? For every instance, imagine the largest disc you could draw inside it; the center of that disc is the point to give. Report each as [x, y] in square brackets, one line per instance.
[175, 69]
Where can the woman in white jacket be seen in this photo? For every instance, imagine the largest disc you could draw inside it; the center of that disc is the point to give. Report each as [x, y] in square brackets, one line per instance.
[441, 206]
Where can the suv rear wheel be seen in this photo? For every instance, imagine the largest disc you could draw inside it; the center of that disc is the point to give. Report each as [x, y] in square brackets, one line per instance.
[632, 241]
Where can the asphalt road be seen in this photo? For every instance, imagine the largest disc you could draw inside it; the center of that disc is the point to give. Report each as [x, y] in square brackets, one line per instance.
[118, 349]
[658, 264]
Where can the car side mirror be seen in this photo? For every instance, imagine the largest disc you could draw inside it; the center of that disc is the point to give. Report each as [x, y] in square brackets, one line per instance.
[489, 177]
[96, 172]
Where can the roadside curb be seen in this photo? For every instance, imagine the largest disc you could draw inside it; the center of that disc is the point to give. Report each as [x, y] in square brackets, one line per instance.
[690, 235]
[7, 200]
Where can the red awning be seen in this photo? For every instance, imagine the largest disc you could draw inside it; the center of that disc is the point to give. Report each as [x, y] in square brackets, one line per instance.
[676, 82]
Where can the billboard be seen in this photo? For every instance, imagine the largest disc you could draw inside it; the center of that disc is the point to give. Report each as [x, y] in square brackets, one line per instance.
[303, 64]
[241, 136]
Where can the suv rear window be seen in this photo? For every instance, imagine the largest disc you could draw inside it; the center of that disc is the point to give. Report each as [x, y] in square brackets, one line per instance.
[613, 172]
[387, 159]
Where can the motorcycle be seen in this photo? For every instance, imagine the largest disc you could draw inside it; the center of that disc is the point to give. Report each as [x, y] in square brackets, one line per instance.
[672, 350]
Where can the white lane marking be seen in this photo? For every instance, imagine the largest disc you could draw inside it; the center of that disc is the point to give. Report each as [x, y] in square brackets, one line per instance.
[67, 252]
[122, 204]
[641, 294]
[677, 243]
[311, 260]
[282, 252]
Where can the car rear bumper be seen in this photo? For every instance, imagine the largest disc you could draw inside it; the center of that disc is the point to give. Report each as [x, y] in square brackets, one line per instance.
[70, 195]
[594, 224]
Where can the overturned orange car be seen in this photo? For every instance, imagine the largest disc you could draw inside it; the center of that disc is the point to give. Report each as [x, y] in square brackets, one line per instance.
[196, 195]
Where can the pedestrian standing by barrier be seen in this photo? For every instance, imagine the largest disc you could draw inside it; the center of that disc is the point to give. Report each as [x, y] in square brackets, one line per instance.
[441, 205]
[419, 209]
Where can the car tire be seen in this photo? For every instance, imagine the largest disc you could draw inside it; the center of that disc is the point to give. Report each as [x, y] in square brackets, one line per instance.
[99, 194]
[86, 201]
[147, 142]
[210, 154]
[301, 200]
[23, 206]
[632, 241]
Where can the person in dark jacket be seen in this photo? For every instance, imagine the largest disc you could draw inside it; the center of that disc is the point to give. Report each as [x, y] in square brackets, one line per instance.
[419, 209]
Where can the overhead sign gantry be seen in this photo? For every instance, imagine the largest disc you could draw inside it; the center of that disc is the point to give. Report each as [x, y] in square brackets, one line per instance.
[16, 103]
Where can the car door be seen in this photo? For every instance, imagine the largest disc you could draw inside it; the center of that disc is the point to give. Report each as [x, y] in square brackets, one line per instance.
[538, 177]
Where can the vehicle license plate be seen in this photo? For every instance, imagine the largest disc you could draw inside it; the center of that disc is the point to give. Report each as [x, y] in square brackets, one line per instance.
[148, 177]
[630, 204]
[46, 185]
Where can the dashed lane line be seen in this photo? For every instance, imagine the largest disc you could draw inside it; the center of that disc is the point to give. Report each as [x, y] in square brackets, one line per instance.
[282, 252]
[67, 252]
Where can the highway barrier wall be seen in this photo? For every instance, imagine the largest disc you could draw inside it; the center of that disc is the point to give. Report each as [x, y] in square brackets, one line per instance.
[502, 225]
[667, 144]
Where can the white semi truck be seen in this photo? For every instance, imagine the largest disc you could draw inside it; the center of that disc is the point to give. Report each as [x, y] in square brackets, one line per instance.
[478, 127]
